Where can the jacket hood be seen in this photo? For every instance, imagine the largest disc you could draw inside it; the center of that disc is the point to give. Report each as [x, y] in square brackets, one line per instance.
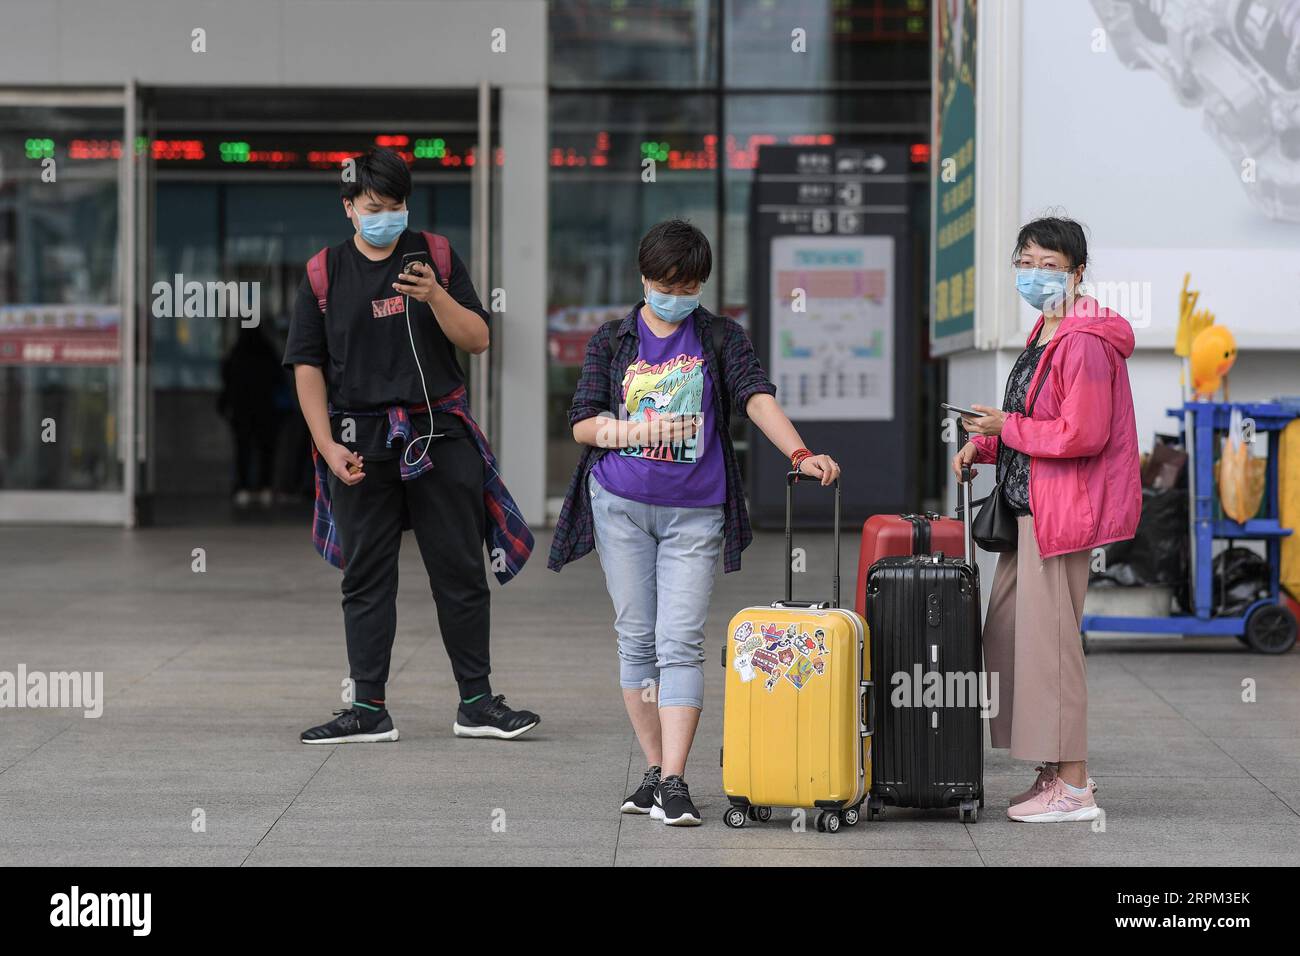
[1089, 316]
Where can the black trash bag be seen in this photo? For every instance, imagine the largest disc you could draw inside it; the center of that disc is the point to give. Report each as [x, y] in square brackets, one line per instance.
[1240, 579]
[1157, 554]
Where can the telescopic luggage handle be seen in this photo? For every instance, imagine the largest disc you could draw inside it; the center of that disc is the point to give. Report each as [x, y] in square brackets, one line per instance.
[790, 480]
[964, 506]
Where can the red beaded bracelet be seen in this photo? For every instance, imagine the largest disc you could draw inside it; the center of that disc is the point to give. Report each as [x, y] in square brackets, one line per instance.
[797, 456]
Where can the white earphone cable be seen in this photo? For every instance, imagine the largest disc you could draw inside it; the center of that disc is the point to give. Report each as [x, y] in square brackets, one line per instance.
[426, 439]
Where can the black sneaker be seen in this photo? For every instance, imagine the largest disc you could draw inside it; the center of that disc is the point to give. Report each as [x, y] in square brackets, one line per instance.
[643, 797]
[672, 804]
[490, 717]
[353, 726]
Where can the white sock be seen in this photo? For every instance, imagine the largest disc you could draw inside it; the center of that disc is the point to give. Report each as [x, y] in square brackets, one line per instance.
[1078, 792]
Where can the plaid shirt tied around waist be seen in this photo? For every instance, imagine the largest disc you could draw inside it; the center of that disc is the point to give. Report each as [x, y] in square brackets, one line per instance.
[507, 535]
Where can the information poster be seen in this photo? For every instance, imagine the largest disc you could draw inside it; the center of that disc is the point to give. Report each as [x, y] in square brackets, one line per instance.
[831, 289]
[832, 343]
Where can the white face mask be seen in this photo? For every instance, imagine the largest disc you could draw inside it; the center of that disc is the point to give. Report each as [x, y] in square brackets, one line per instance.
[671, 308]
[381, 228]
[1042, 288]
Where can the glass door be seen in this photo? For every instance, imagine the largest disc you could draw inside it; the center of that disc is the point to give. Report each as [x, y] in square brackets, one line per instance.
[241, 188]
[66, 271]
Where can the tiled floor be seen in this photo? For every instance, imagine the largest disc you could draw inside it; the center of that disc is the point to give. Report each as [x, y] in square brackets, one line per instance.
[209, 677]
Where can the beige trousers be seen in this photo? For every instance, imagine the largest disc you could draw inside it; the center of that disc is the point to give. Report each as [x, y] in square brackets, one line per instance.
[1032, 642]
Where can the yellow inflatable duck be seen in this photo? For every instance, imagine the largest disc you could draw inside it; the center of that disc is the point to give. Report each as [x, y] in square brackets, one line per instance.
[1214, 351]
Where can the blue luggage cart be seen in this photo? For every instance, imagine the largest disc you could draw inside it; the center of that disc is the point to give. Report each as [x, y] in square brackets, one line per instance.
[1267, 625]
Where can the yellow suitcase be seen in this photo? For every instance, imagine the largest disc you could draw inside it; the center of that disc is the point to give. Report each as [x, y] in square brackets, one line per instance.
[798, 706]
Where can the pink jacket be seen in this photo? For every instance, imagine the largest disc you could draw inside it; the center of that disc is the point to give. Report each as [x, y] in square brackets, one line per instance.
[1085, 489]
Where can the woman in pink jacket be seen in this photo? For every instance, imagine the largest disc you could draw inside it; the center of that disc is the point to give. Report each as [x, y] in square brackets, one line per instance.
[1068, 469]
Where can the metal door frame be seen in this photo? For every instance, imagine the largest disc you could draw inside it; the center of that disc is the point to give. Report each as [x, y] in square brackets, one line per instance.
[115, 507]
[481, 231]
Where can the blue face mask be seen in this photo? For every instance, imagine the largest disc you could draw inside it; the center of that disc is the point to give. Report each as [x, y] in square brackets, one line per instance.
[381, 228]
[1042, 288]
[671, 308]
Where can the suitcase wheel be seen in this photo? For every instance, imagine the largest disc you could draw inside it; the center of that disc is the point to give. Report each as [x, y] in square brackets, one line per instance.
[829, 821]
[875, 808]
[968, 811]
[735, 818]
[851, 816]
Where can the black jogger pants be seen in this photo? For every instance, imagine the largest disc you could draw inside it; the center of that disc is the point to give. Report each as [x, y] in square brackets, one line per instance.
[445, 509]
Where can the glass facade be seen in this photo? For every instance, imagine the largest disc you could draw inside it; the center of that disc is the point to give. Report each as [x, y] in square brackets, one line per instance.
[237, 189]
[698, 86]
[844, 43]
[60, 311]
[241, 185]
[245, 189]
[633, 43]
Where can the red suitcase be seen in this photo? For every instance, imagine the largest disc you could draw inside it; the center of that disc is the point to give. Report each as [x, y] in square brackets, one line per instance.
[885, 536]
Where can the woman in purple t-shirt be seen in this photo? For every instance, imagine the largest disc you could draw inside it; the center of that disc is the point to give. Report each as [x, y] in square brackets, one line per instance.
[664, 492]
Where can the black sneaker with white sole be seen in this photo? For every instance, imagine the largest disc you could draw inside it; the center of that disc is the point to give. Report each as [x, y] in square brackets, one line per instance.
[490, 717]
[672, 804]
[643, 797]
[353, 726]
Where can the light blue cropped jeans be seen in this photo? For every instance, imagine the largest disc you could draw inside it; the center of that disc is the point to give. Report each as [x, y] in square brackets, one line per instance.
[660, 562]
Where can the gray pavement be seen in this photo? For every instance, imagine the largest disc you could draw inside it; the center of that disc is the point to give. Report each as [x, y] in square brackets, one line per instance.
[210, 677]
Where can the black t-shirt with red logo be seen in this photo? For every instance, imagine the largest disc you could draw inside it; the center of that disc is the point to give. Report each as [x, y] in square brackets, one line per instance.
[362, 345]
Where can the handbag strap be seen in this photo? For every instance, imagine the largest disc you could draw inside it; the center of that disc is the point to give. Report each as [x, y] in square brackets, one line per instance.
[980, 501]
[1029, 411]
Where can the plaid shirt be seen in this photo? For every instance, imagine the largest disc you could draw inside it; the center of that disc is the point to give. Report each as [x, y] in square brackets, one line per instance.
[507, 534]
[609, 352]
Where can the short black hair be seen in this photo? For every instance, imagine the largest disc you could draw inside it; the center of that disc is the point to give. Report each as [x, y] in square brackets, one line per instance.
[382, 173]
[1057, 234]
[675, 251]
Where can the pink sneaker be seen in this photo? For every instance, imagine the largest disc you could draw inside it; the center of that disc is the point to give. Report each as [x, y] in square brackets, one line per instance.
[1056, 804]
[1046, 774]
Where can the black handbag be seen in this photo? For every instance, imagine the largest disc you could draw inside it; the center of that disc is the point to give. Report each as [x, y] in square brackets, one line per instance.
[994, 525]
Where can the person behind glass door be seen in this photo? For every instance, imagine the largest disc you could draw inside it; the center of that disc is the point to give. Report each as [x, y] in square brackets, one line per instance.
[250, 375]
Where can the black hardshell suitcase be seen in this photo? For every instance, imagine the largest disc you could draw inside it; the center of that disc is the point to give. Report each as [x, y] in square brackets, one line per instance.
[923, 614]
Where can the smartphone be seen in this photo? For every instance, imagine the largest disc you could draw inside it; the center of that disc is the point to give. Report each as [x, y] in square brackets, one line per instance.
[411, 257]
[967, 412]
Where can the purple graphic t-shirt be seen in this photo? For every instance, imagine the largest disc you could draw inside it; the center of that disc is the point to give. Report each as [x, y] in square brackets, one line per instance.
[668, 378]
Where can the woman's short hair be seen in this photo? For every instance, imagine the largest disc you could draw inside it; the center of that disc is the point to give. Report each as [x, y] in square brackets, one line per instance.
[1057, 234]
[675, 251]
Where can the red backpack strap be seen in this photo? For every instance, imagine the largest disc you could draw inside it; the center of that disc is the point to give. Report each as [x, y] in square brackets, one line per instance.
[440, 249]
[319, 277]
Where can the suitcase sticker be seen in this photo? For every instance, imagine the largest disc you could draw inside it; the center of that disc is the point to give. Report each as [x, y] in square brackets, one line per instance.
[779, 651]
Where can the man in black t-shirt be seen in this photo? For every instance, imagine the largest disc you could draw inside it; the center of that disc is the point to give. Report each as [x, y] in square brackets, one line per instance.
[353, 365]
